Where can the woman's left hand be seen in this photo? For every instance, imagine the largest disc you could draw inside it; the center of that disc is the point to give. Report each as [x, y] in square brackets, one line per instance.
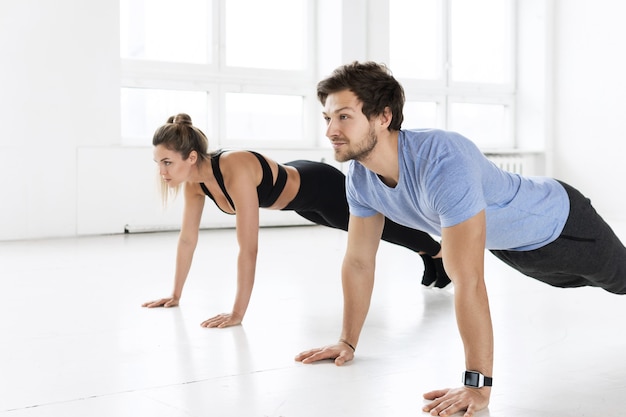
[222, 320]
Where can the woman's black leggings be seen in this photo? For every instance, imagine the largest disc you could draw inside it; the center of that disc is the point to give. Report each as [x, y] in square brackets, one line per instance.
[322, 200]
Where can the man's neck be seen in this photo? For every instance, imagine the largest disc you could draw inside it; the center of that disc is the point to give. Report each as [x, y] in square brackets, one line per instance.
[383, 160]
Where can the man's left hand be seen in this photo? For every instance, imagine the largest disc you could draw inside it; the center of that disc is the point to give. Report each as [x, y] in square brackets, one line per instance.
[446, 402]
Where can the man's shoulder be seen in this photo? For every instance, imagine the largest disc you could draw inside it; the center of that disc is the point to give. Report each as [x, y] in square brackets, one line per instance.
[424, 133]
[429, 136]
[432, 143]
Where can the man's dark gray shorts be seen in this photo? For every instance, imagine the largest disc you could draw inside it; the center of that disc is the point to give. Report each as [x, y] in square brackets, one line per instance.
[587, 253]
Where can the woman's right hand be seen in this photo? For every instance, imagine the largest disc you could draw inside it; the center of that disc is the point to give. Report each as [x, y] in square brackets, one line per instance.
[163, 302]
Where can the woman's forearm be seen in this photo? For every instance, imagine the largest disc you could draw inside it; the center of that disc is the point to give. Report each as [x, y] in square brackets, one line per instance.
[184, 257]
[246, 267]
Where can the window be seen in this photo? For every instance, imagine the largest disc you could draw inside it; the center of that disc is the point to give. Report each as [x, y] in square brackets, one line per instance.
[455, 59]
[267, 35]
[240, 68]
[145, 109]
[160, 30]
[255, 117]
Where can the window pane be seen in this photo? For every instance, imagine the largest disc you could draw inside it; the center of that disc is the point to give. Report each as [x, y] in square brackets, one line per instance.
[144, 110]
[261, 117]
[481, 40]
[484, 124]
[266, 34]
[415, 39]
[419, 115]
[166, 31]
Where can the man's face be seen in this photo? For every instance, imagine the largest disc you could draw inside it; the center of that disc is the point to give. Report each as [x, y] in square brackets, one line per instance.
[351, 134]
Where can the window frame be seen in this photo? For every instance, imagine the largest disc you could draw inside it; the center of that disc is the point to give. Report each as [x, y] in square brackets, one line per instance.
[444, 89]
[216, 79]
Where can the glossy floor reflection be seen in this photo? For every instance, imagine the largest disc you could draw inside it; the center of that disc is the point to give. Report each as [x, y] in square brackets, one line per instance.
[75, 341]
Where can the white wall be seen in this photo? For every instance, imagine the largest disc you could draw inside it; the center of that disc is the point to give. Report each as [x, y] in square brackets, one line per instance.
[65, 174]
[590, 106]
[59, 93]
[63, 169]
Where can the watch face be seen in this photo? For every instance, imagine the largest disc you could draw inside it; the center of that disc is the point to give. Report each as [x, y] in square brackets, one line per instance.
[471, 379]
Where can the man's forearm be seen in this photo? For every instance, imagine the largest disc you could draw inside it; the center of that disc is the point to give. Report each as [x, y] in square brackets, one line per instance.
[474, 322]
[358, 284]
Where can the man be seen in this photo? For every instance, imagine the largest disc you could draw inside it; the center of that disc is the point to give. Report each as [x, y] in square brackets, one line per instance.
[440, 182]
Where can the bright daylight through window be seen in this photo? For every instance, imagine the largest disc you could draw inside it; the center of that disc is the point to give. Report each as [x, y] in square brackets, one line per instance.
[235, 73]
[455, 59]
[237, 66]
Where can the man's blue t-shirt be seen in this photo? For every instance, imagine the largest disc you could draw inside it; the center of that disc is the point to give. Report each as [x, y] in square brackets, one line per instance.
[445, 179]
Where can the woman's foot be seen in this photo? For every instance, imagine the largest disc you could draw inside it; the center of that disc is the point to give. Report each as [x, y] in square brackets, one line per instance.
[442, 277]
[434, 273]
[430, 270]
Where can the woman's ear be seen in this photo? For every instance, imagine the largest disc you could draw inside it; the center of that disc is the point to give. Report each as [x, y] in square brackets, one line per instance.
[193, 157]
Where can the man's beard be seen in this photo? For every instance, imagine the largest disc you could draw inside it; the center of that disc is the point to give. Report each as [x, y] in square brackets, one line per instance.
[363, 151]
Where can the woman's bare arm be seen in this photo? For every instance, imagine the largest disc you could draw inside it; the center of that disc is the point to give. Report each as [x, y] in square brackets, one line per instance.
[187, 241]
[242, 173]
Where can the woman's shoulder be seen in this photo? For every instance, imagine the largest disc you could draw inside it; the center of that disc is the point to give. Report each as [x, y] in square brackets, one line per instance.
[236, 155]
[237, 165]
[245, 158]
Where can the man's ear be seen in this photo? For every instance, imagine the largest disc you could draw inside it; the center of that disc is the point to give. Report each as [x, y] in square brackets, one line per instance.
[385, 117]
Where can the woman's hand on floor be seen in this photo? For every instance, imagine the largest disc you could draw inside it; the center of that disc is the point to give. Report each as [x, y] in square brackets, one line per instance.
[163, 302]
[222, 320]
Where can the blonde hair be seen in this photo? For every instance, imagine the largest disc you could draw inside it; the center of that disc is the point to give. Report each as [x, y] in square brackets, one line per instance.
[180, 135]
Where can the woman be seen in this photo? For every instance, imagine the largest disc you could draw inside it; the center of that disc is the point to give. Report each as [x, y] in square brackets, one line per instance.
[240, 182]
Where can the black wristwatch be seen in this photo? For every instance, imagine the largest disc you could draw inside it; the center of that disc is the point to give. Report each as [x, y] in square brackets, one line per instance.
[476, 379]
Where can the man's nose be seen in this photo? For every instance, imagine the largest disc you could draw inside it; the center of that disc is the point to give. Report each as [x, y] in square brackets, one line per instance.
[331, 131]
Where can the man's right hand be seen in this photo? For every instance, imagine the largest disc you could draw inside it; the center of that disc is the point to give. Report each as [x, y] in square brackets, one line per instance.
[163, 302]
[340, 352]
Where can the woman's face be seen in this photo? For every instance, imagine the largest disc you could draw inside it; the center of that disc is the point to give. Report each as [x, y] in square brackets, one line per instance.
[173, 169]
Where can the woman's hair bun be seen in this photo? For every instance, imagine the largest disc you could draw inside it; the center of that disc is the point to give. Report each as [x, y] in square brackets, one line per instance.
[180, 118]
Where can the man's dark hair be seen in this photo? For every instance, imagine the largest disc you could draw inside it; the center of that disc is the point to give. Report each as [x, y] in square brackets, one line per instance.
[373, 85]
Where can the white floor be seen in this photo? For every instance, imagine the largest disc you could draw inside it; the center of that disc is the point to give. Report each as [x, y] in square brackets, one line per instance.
[75, 341]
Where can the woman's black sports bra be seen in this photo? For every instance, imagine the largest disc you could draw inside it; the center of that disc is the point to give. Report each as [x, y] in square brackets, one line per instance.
[267, 191]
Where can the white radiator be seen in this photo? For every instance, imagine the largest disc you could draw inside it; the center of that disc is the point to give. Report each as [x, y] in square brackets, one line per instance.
[513, 162]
